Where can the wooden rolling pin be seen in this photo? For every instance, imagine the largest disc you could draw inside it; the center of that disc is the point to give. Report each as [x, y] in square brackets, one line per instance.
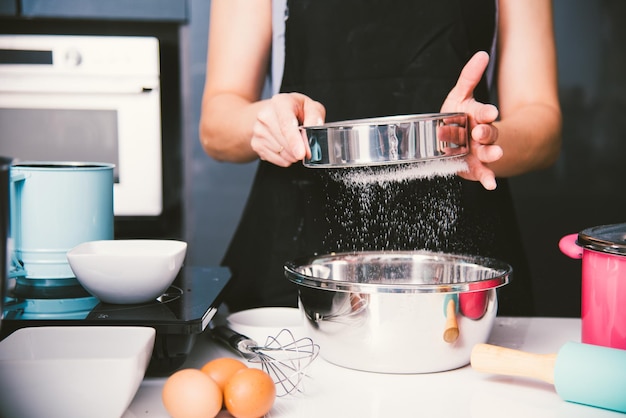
[581, 373]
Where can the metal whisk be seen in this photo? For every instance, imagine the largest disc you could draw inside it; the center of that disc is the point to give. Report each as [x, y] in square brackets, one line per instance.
[283, 357]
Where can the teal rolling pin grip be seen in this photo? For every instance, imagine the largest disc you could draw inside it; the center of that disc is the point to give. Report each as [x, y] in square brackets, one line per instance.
[591, 375]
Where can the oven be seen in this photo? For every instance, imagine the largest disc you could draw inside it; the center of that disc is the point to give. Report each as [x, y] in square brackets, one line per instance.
[87, 98]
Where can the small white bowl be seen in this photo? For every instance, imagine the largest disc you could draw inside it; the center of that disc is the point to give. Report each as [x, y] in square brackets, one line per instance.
[73, 371]
[260, 323]
[127, 271]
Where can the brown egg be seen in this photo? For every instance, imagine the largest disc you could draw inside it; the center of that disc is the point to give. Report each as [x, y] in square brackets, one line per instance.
[221, 369]
[249, 393]
[190, 393]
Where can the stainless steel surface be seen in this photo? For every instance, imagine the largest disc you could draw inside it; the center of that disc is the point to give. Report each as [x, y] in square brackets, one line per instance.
[609, 239]
[386, 311]
[387, 140]
[283, 357]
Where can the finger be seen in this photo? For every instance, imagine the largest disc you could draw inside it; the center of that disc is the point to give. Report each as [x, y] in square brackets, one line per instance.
[275, 156]
[275, 125]
[477, 171]
[314, 114]
[262, 149]
[305, 143]
[488, 153]
[469, 78]
[488, 179]
[268, 125]
[265, 144]
[485, 134]
[291, 135]
[281, 161]
[471, 75]
[264, 130]
[482, 113]
[290, 109]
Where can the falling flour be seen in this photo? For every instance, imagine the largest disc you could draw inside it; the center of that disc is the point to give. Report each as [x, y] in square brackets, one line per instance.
[395, 207]
[383, 175]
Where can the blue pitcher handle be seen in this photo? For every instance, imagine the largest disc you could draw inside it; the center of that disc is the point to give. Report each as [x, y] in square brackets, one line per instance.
[16, 268]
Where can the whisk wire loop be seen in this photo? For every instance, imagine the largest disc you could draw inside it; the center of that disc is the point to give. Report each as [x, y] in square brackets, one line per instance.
[283, 357]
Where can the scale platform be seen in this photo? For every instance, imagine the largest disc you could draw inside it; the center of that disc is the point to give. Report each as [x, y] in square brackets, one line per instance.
[179, 315]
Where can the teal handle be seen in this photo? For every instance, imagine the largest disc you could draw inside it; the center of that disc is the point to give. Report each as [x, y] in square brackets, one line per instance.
[16, 269]
[17, 177]
[447, 299]
[591, 375]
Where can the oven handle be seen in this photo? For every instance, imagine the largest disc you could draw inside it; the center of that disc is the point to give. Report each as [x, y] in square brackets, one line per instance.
[78, 85]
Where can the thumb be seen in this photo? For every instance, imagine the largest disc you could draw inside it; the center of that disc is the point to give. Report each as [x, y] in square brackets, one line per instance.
[468, 79]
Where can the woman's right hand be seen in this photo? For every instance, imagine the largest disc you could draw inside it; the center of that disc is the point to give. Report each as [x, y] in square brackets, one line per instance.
[276, 134]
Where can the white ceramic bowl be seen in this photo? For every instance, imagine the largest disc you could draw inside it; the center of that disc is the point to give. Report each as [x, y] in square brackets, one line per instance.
[260, 323]
[127, 271]
[72, 371]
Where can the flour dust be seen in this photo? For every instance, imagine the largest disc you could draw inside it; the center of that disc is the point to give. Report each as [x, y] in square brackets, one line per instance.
[386, 174]
[394, 207]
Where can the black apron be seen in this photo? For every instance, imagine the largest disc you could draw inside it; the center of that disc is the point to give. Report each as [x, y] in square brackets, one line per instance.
[368, 59]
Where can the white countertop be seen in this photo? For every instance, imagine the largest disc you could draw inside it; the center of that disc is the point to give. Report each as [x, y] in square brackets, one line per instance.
[333, 391]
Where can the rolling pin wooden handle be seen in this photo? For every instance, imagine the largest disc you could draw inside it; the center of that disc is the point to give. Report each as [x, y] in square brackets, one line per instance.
[488, 358]
[451, 331]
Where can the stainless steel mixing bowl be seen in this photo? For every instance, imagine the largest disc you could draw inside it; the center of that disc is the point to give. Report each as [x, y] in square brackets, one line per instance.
[388, 311]
[387, 140]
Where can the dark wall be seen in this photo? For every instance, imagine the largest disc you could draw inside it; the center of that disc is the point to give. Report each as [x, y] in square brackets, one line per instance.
[586, 186]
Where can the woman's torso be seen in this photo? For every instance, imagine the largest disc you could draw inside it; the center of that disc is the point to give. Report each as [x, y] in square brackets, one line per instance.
[368, 59]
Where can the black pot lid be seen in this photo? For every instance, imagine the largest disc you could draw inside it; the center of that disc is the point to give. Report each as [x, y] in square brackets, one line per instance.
[606, 238]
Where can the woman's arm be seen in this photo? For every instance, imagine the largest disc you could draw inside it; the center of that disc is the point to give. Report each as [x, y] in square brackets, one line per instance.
[528, 134]
[529, 130]
[235, 124]
[240, 36]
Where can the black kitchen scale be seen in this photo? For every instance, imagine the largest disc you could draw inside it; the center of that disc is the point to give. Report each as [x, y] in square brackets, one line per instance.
[178, 315]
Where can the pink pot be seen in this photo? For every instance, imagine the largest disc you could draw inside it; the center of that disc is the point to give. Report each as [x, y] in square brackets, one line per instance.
[603, 306]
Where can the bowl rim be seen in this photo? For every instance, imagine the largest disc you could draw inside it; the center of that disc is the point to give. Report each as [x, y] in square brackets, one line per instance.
[295, 271]
[258, 317]
[166, 247]
[136, 345]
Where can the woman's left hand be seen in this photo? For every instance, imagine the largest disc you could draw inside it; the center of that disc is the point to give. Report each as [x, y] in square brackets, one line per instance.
[483, 134]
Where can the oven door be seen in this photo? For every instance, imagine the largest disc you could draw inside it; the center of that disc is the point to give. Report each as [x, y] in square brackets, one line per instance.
[92, 105]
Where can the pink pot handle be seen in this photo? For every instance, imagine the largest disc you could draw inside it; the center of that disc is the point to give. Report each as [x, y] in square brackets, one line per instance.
[569, 247]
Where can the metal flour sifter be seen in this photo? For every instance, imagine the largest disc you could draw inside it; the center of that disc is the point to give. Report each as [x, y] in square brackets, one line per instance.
[388, 140]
